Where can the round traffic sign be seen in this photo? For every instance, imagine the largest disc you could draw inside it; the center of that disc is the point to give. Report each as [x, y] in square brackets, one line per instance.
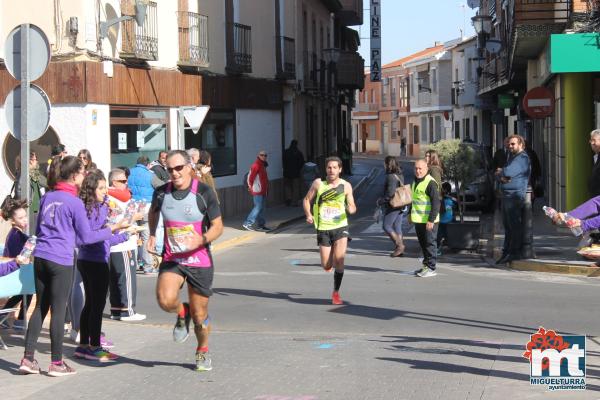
[38, 112]
[38, 54]
[539, 102]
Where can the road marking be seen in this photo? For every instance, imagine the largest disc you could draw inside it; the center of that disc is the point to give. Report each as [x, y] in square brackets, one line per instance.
[246, 273]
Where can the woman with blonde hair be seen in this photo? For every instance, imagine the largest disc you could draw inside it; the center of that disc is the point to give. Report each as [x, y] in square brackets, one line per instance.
[434, 163]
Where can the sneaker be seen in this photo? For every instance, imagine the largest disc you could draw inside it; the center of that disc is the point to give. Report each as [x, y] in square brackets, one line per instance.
[134, 317]
[336, 299]
[61, 369]
[105, 343]
[29, 367]
[427, 273]
[418, 271]
[81, 352]
[181, 331]
[248, 227]
[74, 335]
[264, 229]
[100, 355]
[203, 361]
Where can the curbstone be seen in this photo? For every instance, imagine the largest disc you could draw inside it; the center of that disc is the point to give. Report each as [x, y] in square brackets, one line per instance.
[591, 270]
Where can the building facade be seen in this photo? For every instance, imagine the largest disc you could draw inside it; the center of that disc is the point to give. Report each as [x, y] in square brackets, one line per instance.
[208, 74]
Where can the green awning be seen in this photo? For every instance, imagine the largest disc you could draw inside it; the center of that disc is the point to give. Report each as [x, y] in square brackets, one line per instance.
[576, 52]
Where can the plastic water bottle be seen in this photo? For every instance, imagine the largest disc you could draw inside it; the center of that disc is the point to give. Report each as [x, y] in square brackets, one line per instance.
[550, 212]
[27, 250]
[576, 230]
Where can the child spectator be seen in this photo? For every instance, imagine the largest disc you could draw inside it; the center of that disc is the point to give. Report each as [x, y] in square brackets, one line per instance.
[446, 215]
[92, 263]
[15, 211]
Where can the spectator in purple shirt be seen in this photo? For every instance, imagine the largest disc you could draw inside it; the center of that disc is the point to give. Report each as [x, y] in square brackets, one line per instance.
[586, 215]
[92, 263]
[62, 224]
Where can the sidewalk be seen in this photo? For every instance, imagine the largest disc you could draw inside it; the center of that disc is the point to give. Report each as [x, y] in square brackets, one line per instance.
[555, 248]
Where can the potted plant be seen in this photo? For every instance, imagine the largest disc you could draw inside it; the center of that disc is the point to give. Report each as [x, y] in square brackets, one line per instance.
[461, 162]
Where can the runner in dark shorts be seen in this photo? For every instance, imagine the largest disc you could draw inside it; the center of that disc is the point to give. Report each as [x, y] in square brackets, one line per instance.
[192, 220]
[333, 201]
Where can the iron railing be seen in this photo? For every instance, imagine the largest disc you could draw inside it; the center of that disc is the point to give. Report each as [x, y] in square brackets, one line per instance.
[240, 56]
[288, 51]
[141, 42]
[310, 70]
[193, 39]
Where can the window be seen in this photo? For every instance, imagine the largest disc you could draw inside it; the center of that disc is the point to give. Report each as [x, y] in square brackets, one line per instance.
[467, 129]
[218, 137]
[414, 84]
[393, 101]
[372, 95]
[135, 132]
[475, 128]
[438, 128]
[457, 129]
[434, 80]
[384, 92]
[416, 134]
[394, 129]
[424, 123]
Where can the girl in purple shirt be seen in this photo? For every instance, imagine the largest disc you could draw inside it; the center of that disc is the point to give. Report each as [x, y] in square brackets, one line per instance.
[62, 224]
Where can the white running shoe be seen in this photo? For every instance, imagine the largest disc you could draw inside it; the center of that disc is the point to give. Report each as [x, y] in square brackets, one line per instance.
[134, 317]
[74, 336]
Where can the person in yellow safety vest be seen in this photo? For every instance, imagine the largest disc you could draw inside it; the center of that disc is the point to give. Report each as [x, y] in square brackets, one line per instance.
[425, 215]
[334, 200]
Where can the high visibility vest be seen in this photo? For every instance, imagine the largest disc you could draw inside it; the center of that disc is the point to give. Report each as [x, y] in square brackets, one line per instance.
[331, 213]
[421, 203]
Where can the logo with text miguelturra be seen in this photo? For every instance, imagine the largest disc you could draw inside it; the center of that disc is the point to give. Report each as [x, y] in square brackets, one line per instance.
[557, 362]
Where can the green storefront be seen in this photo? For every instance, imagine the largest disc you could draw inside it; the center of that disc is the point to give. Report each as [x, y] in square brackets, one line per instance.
[576, 57]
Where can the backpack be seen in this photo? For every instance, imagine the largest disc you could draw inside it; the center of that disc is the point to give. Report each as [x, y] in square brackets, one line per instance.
[245, 180]
[402, 195]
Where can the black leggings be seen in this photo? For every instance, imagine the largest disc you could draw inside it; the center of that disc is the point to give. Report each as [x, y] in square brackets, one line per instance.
[95, 282]
[52, 287]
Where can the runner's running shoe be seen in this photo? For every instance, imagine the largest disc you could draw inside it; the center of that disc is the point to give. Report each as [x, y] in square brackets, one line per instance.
[100, 355]
[336, 299]
[81, 352]
[181, 331]
[426, 272]
[29, 367]
[203, 361]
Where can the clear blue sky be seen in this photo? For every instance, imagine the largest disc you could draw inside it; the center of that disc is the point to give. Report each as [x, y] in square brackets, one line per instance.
[411, 26]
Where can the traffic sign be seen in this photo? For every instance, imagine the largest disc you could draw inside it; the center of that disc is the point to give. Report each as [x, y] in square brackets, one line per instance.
[539, 102]
[38, 113]
[38, 54]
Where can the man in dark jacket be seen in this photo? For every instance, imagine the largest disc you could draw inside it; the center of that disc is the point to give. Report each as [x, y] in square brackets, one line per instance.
[514, 179]
[594, 182]
[159, 167]
[293, 160]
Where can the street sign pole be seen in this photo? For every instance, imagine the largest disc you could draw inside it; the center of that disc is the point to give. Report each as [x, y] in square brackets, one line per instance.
[25, 84]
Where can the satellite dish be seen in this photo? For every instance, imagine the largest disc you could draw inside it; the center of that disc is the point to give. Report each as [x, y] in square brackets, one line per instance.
[473, 3]
[493, 46]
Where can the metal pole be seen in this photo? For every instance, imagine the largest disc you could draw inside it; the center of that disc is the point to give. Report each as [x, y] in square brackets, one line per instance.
[25, 84]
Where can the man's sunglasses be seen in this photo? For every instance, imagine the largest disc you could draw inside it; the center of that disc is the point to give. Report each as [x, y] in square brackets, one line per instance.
[177, 168]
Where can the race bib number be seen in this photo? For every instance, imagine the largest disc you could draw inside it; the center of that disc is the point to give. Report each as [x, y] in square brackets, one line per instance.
[330, 214]
[176, 236]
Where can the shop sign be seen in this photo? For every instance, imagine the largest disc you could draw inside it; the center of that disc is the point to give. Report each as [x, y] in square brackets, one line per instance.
[506, 100]
[539, 102]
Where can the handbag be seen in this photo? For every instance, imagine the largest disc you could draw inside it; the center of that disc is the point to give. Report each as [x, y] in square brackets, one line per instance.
[402, 196]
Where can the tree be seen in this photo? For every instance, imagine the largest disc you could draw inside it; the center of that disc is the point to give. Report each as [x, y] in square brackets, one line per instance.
[460, 164]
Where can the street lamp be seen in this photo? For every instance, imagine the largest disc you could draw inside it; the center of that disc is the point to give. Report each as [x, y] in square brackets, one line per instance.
[482, 24]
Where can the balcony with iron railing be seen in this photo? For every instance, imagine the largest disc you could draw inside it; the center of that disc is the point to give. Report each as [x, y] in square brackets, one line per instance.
[542, 12]
[193, 39]
[350, 70]
[239, 53]
[287, 68]
[309, 70]
[140, 42]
